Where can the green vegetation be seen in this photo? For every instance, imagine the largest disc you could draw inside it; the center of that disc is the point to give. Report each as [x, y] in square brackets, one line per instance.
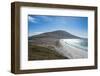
[42, 53]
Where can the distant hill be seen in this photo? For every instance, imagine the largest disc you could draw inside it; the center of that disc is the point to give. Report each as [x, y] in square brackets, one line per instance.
[50, 38]
[59, 34]
[42, 46]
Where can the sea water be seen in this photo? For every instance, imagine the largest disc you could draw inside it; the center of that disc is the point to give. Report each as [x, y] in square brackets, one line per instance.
[78, 43]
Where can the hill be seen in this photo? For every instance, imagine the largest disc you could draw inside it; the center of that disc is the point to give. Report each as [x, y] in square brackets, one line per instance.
[45, 43]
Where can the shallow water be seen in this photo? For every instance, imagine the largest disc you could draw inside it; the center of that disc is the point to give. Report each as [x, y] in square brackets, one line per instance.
[79, 43]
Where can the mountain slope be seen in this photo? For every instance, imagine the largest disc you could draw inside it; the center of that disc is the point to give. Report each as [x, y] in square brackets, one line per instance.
[50, 38]
[59, 34]
[46, 43]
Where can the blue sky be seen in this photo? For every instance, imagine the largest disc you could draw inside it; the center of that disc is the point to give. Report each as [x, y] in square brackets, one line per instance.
[75, 25]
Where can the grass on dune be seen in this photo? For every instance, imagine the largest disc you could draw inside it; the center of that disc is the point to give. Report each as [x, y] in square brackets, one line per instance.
[42, 53]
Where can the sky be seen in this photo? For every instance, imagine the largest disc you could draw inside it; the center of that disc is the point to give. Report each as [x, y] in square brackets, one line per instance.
[77, 26]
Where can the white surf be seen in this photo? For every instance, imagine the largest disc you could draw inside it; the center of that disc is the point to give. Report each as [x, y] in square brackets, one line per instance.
[68, 49]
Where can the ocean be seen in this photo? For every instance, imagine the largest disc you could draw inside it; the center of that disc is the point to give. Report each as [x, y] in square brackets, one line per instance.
[78, 43]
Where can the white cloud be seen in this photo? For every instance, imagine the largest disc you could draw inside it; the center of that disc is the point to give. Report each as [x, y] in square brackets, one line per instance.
[32, 19]
[46, 18]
